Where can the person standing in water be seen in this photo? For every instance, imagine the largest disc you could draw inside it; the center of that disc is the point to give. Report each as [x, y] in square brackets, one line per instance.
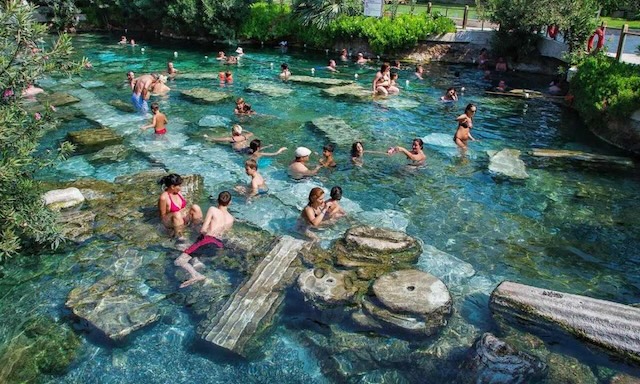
[158, 122]
[216, 223]
[465, 123]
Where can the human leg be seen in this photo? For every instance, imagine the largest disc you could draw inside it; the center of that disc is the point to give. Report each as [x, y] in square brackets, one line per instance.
[183, 262]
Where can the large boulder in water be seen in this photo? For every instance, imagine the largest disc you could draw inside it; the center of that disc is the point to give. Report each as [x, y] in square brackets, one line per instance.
[375, 251]
[122, 105]
[116, 307]
[491, 360]
[92, 140]
[63, 198]
[111, 154]
[57, 99]
[349, 91]
[507, 162]
[410, 301]
[325, 288]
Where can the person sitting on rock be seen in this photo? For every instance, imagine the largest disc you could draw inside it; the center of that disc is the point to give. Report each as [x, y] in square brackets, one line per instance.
[173, 208]
[217, 222]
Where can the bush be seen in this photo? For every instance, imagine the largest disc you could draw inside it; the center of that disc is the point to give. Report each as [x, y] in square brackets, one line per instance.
[268, 22]
[605, 88]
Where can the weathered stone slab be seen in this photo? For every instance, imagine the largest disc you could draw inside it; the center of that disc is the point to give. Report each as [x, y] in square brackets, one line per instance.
[204, 95]
[491, 360]
[322, 82]
[268, 89]
[349, 91]
[197, 76]
[613, 326]
[113, 154]
[116, 307]
[507, 162]
[92, 140]
[77, 225]
[214, 121]
[584, 157]
[122, 106]
[397, 102]
[92, 84]
[410, 300]
[63, 198]
[336, 130]
[253, 304]
[57, 99]
[192, 185]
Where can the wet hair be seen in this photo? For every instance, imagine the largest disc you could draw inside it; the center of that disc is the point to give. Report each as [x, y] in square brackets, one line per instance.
[170, 180]
[155, 106]
[419, 141]
[418, 66]
[384, 67]
[396, 63]
[451, 89]
[224, 198]
[329, 148]
[251, 164]
[469, 106]
[315, 192]
[354, 148]
[236, 130]
[155, 76]
[336, 193]
[254, 146]
[130, 72]
[394, 75]
[239, 100]
[284, 66]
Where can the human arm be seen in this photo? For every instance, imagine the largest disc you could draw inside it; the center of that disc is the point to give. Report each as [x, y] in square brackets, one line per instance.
[276, 153]
[162, 205]
[207, 221]
[410, 155]
[153, 124]
[226, 139]
[375, 81]
[312, 218]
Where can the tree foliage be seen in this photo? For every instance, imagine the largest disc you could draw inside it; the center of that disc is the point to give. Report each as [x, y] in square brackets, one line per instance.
[23, 216]
[319, 13]
[521, 21]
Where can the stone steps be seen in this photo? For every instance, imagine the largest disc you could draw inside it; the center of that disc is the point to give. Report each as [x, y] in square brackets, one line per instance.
[234, 325]
[589, 158]
[613, 326]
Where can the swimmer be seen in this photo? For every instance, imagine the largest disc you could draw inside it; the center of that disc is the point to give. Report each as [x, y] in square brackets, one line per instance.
[173, 209]
[131, 79]
[171, 70]
[327, 156]
[357, 153]
[143, 85]
[344, 55]
[240, 52]
[158, 122]
[393, 84]
[313, 214]
[501, 65]
[332, 67]
[243, 108]
[284, 71]
[298, 169]
[465, 123]
[239, 139]
[216, 223]
[361, 59]
[225, 77]
[257, 186]
[255, 150]
[416, 154]
[419, 72]
[451, 95]
[502, 86]
[334, 210]
[231, 60]
[160, 87]
[483, 58]
[221, 56]
[123, 40]
[133, 43]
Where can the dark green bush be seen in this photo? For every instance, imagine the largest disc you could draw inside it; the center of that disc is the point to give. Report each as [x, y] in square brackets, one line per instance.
[605, 88]
[268, 22]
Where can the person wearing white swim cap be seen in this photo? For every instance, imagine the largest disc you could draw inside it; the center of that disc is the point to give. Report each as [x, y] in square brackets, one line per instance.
[298, 168]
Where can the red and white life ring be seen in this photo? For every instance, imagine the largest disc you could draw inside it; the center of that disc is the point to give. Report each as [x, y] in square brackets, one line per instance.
[600, 33]
[552, 31]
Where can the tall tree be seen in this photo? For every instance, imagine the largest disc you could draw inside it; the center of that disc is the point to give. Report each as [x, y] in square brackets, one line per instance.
[23, 217]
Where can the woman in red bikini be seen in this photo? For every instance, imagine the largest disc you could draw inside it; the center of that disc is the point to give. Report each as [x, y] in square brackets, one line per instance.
[174, 213]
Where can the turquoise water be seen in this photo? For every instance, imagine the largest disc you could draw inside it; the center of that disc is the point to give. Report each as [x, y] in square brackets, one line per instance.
[570, 228]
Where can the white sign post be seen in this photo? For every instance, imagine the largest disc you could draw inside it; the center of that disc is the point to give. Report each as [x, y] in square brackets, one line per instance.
[373, 8]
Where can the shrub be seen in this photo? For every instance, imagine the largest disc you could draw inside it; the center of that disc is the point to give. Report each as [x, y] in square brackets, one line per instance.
[268, 22]
[605, 88]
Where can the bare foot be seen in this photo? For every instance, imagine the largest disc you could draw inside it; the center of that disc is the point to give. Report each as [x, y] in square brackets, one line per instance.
[192, 281]
[197, 264]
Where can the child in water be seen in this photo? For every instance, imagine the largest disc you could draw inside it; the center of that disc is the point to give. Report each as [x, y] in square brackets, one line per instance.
[257, 185]
[334, 210]
[327, 156]
[158, 122]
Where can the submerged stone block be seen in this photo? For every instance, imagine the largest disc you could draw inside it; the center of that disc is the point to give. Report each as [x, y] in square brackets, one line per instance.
[57, 99]
[322, 82]
[613, 326]
[205, 95]
[92, 140]
[507, 162]
[336, 130]
[268, 89]
[349, 91]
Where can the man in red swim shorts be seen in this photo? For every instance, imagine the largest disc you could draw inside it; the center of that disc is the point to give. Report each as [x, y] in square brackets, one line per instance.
[217, 221]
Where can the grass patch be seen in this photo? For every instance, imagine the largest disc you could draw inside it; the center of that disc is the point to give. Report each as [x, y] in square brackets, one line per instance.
[615, 22]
